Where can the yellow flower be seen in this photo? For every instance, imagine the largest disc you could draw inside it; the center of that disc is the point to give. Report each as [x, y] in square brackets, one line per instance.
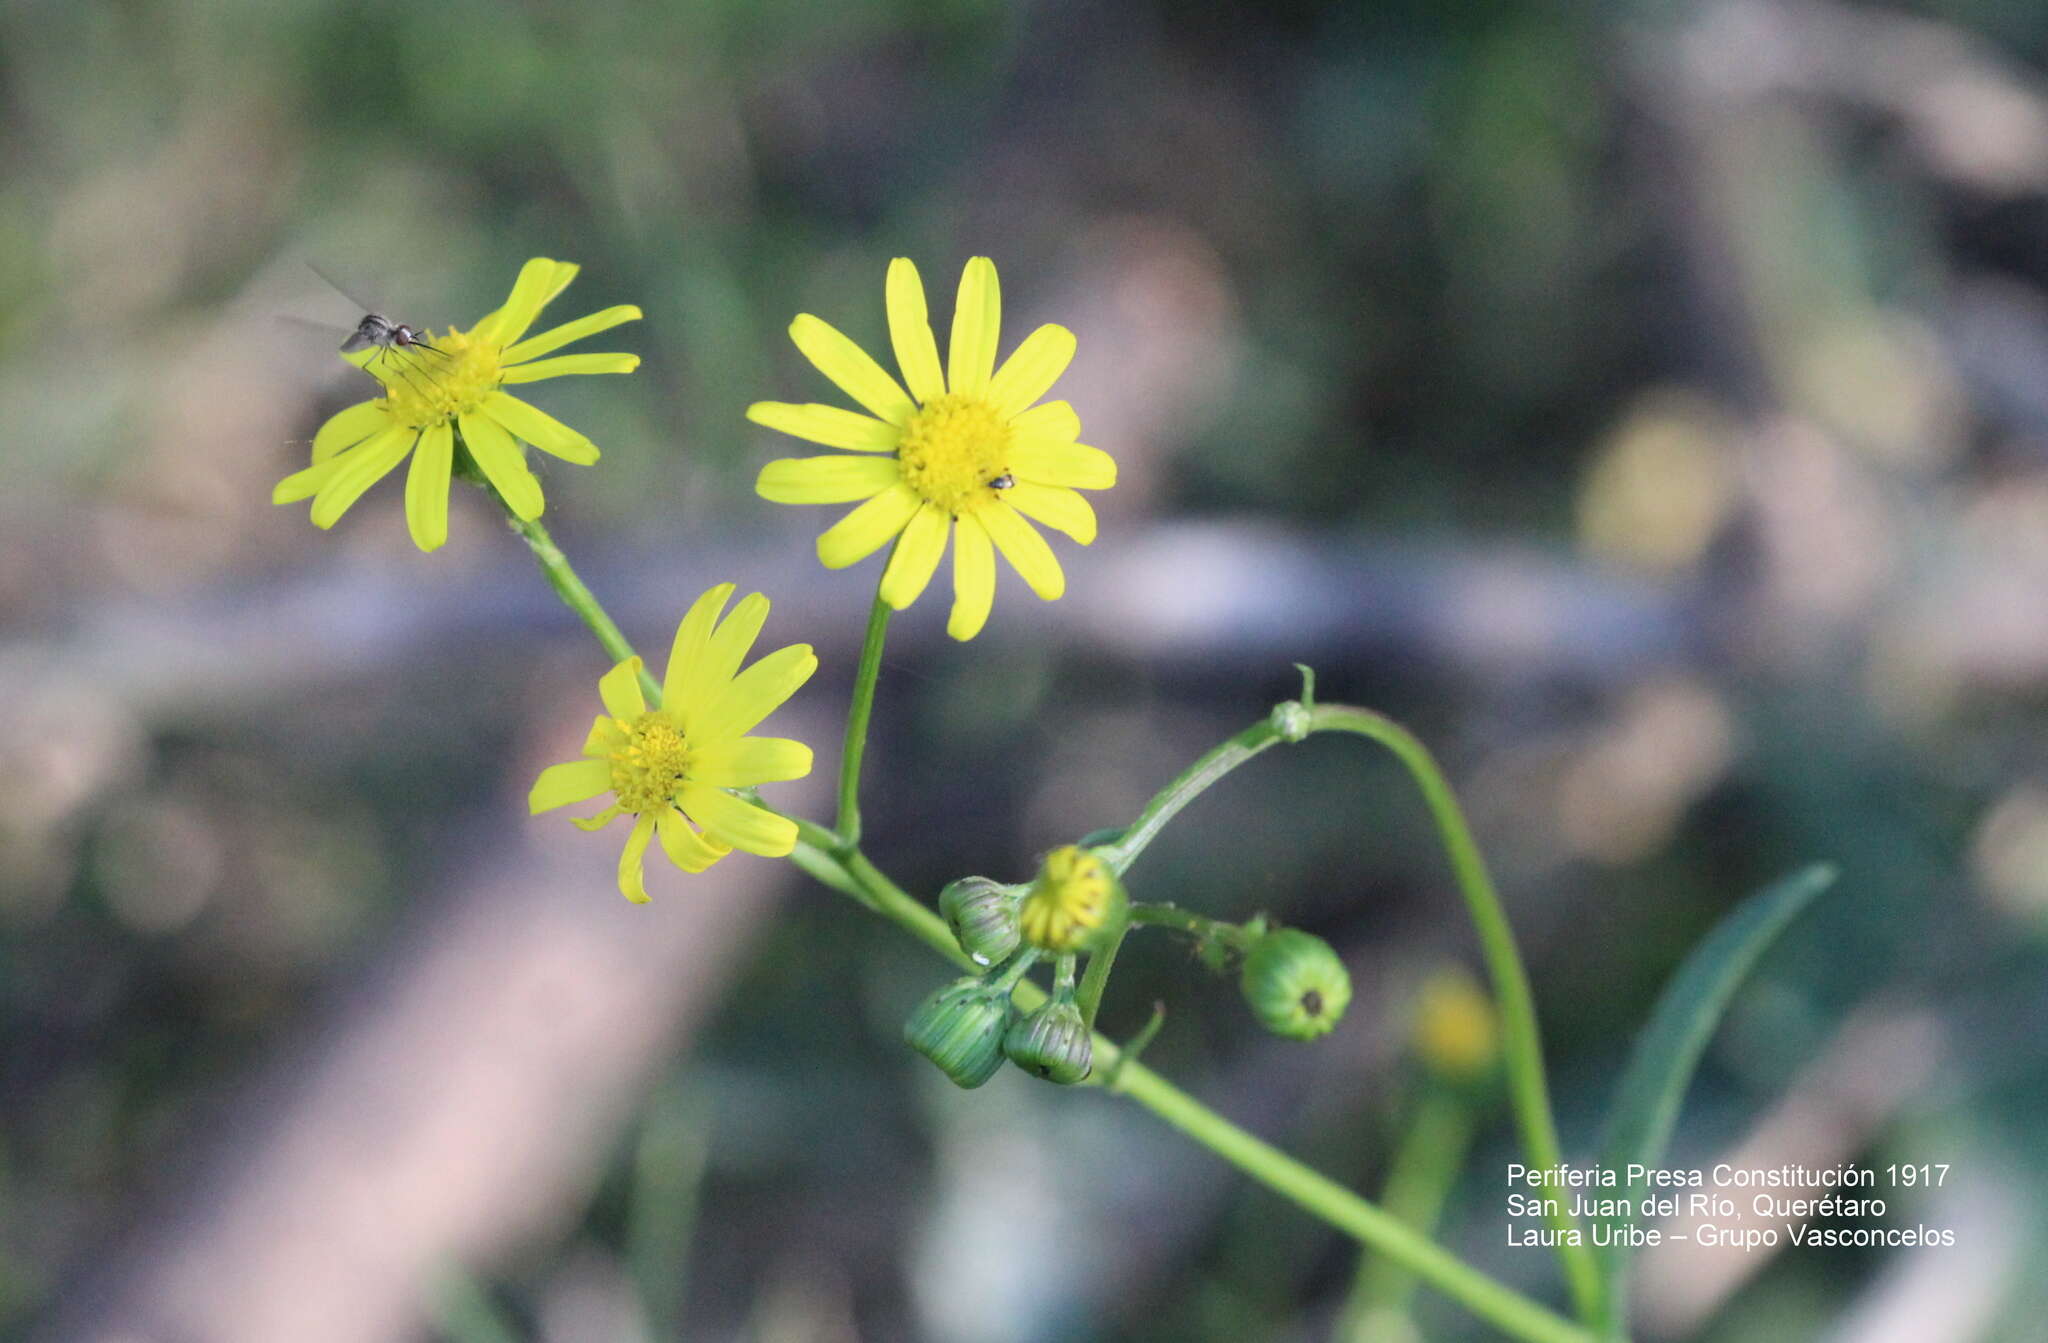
[1457, 1032]
[964, 452]
[459, 385]
[1069, 903]
[668, 767]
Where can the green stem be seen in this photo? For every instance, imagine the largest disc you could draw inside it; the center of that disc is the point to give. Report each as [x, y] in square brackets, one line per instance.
[1232, 935]
[1096, 978]
[839, 864]
[578, 598]
[1419, 1179]
[1189, 785]
[1521, 1042]
[856, 746]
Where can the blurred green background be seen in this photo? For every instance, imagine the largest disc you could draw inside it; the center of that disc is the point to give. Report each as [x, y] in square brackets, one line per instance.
[1644, 402]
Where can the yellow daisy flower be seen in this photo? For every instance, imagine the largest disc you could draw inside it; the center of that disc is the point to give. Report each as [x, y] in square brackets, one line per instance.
[458, 386]
[669, 767]
[965, 452]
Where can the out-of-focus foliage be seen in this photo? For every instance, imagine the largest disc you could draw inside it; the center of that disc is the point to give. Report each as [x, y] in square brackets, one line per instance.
[1645, 403]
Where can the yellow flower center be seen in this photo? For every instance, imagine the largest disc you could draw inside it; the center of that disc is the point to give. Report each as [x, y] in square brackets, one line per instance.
[652, 765]
[424, 388]
[1067, 903]
[955, 452]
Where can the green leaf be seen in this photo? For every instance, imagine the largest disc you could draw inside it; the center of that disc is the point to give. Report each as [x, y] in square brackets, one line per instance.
[1668, 1051]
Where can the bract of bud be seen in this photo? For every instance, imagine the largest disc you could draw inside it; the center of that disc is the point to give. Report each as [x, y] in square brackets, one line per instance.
[983, 917]
[1295, 984]
[960, 1028]
[1053, 1043]
[1073, 900]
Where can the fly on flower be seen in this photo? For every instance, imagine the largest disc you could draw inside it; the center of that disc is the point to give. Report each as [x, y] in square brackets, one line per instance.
[669, 766]
[463, 407]
[964, 452]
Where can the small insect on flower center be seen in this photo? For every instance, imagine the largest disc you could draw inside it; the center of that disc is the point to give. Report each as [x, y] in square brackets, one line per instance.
[955, 452]
[429, 387]
[652, 765]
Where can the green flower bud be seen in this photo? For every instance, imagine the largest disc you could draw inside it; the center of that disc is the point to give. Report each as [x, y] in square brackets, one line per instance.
[1295, 984]
[1052, 1043]
[983, 917]
[960, 1028]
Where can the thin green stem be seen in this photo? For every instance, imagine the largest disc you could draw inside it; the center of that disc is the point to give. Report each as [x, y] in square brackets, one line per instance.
[856, 746]
[838, 863]
[1419, 1179]
[1521, 1042]
[1100, 961]
[1232, 935]
[578, 598]
[1189, 785]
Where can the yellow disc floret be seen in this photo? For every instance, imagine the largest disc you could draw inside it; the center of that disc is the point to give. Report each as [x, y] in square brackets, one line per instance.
[427, 387]
[653, 764]
[954, 450]
[1071, 900]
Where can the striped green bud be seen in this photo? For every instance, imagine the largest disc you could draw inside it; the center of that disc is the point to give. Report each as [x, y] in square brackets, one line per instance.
[1052, 1043]
[960, 1028]
[1295, 984]
[983, 917]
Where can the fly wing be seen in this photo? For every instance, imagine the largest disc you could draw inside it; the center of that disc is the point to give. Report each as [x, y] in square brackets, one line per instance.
[372, 330]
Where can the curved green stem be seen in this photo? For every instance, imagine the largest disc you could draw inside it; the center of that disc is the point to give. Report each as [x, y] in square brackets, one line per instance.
[1419, 1179]
[578, 598]
[1100, 961]
[856, 746]
[1201, 926]
[837, 862]
[1521, 1042]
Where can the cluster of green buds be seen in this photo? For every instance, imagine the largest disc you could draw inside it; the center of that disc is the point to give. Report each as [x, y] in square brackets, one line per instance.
[969, 1026]
[1296, 985]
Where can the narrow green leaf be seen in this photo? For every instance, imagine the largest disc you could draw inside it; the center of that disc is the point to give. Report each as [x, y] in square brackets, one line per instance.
[1668, 1051]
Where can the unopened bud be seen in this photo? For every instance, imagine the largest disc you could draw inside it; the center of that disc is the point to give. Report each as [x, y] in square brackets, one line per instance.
[1295, 984]
[1074, 898]
[960, 1028]
[983, 917]
[1053, 1043]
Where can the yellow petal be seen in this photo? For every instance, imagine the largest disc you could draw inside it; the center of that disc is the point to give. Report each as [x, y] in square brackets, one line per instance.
[561, 785]
[504, 464]
[825, 480]
[740, 824]
[868, 528]
[746, 761]
[693, 636]
[619, 688]
[850, 367]
[1056, 507]
[346, 428]
[605, 737]
[755, 693]
[829, 425]
[1054, 419]
[632, 881]
[1075, 465]
[562, 365]
[426, 488]
[359, 469]
[910, 331]
[1025, 549]
[539, 281]
[1030, 372]
[918, 552]
[977, 318]
[541, 429]
[307, 483]
[706, 676]
[556, 337]
[974, 577]
[686, 848]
